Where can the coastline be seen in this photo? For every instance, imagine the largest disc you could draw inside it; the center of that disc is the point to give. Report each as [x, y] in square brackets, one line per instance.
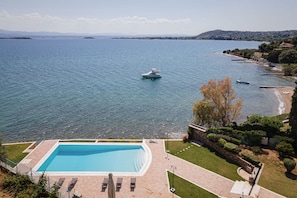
[284, 95]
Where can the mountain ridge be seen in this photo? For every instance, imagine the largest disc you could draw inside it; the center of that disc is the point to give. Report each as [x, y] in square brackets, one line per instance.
[245, 35]
[209, 35]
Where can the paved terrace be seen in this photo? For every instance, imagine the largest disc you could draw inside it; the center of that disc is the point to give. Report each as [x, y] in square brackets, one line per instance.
[153, 183]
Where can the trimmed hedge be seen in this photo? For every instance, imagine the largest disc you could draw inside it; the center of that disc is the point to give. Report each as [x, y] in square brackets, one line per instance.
[231, 147]
[251, 158]
[222, 142]
[215, 138]
[212, 137]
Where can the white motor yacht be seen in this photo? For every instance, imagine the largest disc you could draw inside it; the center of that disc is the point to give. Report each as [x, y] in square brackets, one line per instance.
[153, 74]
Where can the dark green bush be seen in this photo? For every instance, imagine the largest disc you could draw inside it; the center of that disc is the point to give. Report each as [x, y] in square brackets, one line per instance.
[284, 139]
[254, 137]
[285, 149]
[271, 125]
[290, 164]
[256, 149]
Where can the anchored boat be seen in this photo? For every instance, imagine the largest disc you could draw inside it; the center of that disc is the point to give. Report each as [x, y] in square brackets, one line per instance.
[242, 82]
[153, 74]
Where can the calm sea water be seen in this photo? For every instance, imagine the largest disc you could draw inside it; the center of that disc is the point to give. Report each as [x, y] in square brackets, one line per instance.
[76, 88]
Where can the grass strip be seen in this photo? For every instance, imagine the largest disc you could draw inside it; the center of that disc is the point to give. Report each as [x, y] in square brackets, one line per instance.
[203, 157]
[186, 189]
[15, 152]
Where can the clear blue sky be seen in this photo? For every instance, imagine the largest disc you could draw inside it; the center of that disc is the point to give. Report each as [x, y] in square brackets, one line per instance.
[190, 17]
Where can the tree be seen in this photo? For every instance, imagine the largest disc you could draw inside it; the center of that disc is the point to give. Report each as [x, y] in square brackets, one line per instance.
[293, 114]
[217, 105]
[202, 111]
[266, 47]
[289, 164]
[288, 56]
[273, 56]
[271, 125]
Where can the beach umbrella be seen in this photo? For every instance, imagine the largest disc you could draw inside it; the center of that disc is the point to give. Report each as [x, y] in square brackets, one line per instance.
[111, 187]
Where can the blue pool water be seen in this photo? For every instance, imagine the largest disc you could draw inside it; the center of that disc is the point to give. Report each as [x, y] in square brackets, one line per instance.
[76, 157]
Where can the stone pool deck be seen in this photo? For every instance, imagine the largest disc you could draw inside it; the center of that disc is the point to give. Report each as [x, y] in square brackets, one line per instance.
[153, 183]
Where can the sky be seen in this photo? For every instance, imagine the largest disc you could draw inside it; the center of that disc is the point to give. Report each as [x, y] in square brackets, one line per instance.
[147, 17]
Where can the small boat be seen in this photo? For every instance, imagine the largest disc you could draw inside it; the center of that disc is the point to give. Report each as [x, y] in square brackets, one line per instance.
[242, 82]
[153, 74]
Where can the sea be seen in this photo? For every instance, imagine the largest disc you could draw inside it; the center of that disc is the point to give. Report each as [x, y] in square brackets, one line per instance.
[58, 88]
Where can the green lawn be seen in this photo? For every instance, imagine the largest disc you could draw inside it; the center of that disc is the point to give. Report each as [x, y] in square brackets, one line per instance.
[203, 157]
[186, 189]
[15, 152]
[275, 178]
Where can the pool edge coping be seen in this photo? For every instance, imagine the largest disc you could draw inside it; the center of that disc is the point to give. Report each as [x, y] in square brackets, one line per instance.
[143, 170]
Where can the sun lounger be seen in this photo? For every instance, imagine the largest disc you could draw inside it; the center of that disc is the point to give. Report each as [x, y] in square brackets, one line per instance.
[132, 183]
[152, 141]
[76, 194]
[72, 184]
[59, 183]
[119, 183]
[104, 184]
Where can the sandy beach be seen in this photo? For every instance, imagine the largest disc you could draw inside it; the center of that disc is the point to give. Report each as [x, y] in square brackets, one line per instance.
[285, 94]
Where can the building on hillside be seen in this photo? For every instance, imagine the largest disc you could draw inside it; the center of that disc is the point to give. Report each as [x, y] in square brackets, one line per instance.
[284, 45]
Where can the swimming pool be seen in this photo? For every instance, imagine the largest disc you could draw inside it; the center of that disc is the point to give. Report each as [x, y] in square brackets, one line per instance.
[96, 158]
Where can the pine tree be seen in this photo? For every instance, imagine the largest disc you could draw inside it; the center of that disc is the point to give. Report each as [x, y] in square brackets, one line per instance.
[293, 114]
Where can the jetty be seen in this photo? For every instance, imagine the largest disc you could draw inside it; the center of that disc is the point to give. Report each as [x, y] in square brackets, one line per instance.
[269, 87]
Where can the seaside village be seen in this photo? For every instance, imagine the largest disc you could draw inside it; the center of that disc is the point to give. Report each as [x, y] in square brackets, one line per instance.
[217, 157]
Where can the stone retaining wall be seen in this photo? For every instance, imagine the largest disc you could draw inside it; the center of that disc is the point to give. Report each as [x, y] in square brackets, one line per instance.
[198, 134]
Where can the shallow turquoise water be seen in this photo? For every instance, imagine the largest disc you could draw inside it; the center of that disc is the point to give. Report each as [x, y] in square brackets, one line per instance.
[76, 88]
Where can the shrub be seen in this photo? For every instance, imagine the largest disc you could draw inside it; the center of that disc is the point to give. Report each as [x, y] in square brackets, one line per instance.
[254, 137]
[251, 158]
[234, 141]
[222, 142]
[211, 130]
[231, 147]
[256, 149]
[253, 119]
[212, 137]
[21, 186]
[290, 164]
[285, 149]
[185, 138]
[284, 138]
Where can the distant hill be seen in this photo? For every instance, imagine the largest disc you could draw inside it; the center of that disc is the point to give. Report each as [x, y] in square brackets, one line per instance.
[246, 35]
[210, 35]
